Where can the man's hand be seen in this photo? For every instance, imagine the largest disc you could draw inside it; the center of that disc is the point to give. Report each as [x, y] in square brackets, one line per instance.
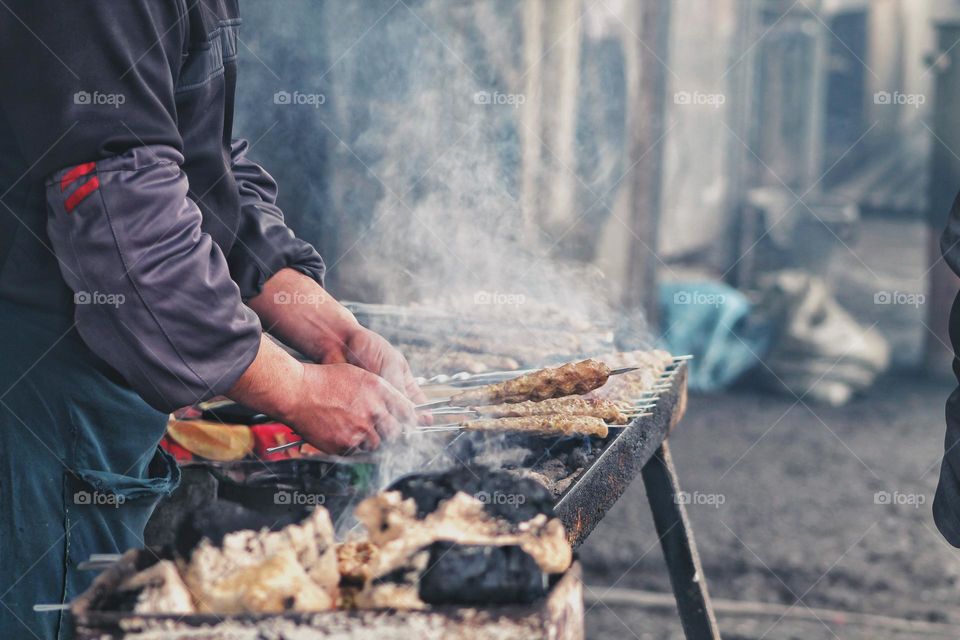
[344, 408]
[337, 408]
[369, 350]
[301, 313]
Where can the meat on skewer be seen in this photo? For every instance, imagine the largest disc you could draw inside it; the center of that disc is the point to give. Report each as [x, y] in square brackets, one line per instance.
[547, 425]
[567, 380]
[606, 410]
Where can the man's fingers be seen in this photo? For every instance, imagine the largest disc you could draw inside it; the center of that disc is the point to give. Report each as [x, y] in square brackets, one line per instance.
[393, 370]
[334, 357]
[362, 438]
[372, 441]
[413, 390]
[389, 427]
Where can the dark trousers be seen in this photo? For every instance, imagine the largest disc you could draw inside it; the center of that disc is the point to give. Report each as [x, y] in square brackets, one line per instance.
[80, 470]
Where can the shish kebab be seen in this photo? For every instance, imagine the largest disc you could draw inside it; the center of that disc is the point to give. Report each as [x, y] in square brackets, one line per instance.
[607, 410]
[575, 378]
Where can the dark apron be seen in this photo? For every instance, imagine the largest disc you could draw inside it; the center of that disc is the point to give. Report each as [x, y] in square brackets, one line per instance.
[80, 470]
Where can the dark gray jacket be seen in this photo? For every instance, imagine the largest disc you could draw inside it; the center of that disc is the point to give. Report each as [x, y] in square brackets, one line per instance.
[946, 501]
[124, 199]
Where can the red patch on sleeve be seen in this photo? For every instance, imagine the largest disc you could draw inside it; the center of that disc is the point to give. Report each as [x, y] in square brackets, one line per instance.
[71, 176]
[82, 192]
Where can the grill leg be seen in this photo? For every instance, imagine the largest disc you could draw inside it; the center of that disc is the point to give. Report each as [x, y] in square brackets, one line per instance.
[679, 548]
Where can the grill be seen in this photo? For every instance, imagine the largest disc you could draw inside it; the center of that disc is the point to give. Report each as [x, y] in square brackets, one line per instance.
[559, 617]
[586, 480]
[601, 484]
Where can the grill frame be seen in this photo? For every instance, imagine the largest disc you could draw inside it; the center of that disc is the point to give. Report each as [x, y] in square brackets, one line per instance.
[588, 499]
[639, 448]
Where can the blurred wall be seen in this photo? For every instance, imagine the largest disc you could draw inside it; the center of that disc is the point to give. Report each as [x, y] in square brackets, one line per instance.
[704, 103]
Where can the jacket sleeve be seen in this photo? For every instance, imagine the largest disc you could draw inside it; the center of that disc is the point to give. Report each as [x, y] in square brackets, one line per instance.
[265, 244]
[153, 294]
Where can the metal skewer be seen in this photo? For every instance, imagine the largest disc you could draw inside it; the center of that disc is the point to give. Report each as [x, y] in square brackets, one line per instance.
[646, 400]
[499, 376]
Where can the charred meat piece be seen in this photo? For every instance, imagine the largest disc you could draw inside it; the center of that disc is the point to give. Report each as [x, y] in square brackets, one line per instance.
[428, 490]
[567, 380]
[461, 574]
[570, 406]
[547, 424]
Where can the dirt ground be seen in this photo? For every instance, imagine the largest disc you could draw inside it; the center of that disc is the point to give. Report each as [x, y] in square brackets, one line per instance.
[800, 519]
[790, 511]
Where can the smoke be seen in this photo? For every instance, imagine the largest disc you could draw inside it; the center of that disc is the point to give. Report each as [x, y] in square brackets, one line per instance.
[440, 103]
[465, 169]
[438, 107]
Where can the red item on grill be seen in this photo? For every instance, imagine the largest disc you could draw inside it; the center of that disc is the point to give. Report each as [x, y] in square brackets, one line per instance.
[178, 451]
[273, 434]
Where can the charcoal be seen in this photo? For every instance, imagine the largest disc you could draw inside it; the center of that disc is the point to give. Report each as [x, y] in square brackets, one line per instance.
[505, 496]
[216, 519]
[481, 575]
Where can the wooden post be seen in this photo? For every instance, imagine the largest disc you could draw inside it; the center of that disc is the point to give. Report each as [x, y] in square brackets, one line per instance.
[647, 91]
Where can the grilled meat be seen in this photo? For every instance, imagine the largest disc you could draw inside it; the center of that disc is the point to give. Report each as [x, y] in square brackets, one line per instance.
[402, 538]
[570, 406]
[548, 424]
[265, 571]
[567, 380]
[354, 560]
[158, 589]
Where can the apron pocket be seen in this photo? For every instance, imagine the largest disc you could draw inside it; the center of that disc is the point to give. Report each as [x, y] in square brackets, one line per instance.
[106, 488]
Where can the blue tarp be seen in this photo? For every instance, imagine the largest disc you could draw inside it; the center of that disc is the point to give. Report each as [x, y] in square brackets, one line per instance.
[712, 322]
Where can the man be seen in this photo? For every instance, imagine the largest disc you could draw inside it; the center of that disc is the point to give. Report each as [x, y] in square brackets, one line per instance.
[142, 255]
[946, 501]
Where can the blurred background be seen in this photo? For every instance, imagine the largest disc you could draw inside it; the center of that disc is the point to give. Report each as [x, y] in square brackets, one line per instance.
[759, 183]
